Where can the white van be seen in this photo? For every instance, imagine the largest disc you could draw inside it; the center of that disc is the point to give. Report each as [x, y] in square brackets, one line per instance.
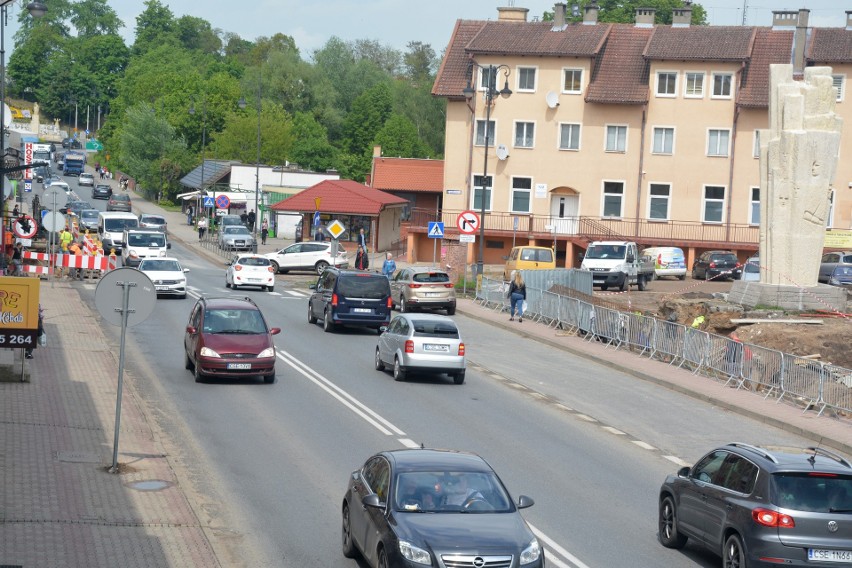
[111, 226]
[140, 244]
[668, 261]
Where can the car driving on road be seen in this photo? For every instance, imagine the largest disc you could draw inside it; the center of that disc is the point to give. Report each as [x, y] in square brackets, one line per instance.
[421, 287]
[350, 297]
[86, 179]
[235, 237]
[250, 270]
[309, 255]
[167, 274]
[101, 191]
[425, 343]
[119, 202]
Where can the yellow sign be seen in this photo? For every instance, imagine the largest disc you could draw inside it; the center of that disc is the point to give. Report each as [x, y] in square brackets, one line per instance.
[335, 229]
[317, 202]
[18, 303]
[838, 240]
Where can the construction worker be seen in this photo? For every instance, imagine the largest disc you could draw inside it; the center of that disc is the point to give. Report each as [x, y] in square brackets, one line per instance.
[65, 239]
[75, 249]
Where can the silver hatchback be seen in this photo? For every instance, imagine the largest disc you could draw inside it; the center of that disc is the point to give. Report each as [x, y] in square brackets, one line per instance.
[421, 287]
[427, 343]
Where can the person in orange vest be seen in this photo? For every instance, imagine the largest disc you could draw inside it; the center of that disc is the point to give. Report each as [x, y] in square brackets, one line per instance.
[76, 250]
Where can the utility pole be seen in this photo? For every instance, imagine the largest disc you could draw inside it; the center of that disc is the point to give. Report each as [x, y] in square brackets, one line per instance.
[745, 12]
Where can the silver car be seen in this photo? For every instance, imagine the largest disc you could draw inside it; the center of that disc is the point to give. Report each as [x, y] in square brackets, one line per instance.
[421, 287]
[427, 343]
[235, 237]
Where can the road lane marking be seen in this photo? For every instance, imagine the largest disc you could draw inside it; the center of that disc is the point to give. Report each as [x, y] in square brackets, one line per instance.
[615, 431]
[408, 443]
[297, 294]
[558, 549]
[644, 445]
[676, 460]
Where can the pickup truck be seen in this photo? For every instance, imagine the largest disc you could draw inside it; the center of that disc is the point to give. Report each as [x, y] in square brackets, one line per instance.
[618, 264]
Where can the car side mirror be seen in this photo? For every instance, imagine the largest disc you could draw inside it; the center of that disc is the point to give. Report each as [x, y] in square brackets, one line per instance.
[630, 258]
[168, 245]
[185, 270]
[525, 502]
[372, 500]
[275, 331]
[383, 328]
[191, 330]
[313, 286]
[683, 472]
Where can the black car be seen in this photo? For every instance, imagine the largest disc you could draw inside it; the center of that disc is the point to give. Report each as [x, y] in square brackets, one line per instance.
[420, 507]
[761, 508]
[72, 143]
[717, 264]
[352, 298]
[75, 207]
[101, 191]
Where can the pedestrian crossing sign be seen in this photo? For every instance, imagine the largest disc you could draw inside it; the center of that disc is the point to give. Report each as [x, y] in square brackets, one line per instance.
[435, 230]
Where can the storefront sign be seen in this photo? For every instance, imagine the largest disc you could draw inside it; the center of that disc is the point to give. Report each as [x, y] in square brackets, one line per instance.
[18, 311]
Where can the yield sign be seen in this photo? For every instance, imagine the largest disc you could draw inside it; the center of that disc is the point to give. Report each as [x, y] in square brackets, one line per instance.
[467, 222]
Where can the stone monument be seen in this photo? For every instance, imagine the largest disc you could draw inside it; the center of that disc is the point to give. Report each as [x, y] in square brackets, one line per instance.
[798, 160]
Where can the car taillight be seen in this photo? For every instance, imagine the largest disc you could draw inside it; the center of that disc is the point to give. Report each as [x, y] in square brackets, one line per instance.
[334, 300]
[415, 285]
[390, 303]
[409, 346]
[712, 265]
[449, 285]
[769, 518]
[739, 265]
[461, 349]
[270, 269]
[238, 267]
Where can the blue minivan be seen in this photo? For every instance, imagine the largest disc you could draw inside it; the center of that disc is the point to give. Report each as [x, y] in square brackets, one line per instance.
[351, 298]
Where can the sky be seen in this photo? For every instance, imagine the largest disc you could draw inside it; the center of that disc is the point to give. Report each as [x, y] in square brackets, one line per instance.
[394, 23]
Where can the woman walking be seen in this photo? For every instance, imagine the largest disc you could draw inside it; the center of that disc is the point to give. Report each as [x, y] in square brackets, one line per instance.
[517, 296]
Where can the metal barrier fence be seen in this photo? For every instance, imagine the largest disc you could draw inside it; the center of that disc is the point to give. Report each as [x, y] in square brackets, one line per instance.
[811, 384]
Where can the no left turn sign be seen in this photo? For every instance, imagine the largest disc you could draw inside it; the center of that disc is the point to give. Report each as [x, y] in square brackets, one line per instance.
[25, 227]
[467, 222]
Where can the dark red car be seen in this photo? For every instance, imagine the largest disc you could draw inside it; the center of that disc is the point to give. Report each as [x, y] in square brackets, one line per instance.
[229, 338]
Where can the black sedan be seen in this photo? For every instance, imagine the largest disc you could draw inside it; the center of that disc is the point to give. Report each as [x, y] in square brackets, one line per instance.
[717, 265]
[101, 191]
[419, 507]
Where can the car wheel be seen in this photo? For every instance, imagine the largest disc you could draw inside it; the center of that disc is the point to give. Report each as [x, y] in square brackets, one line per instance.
[327, 324]
[311, 318]
[187, 362]
[451, 311]
[349, 550]
[670, 537]
[321, 266]
[270, 378]
[641, 283]
[625, 285]
[403, 305]
[270, 288]
[694, 274]
[199, 377]
[275, 267]
[458, 378]
[733, 556]
[682, 277]
[398, 371]
[379, 365]
[227, 284]
[383, 559]
[604, 287]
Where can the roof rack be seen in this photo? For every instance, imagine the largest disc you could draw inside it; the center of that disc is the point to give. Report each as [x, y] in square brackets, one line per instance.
[755, 449]
[836, 457]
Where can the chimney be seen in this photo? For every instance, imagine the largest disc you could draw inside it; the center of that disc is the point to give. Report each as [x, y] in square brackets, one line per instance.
[682, 17]
[512, 14]
[377, 151]
[590, 14]
[800, 40]
[558, 17]
[645, 17]
[849, 19]
[784, 20]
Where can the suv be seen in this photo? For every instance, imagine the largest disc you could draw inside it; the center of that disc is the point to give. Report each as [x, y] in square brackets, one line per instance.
[309, 255]
[118, 202]
[717, 264]
[350, 297]
[140, 244]
[762, 508]
[422, 287]
[228, 337]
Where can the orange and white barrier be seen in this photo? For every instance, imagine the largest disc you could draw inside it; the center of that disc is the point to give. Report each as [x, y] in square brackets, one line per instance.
[82, 261]
[42, 256]
[113, 262]
[36, 269]
[89, 247]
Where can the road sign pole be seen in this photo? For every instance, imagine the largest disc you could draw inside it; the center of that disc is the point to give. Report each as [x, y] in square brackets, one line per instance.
[434, 252]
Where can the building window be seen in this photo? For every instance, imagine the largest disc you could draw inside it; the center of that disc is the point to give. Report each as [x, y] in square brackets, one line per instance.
[524, 134]
[613, 195]
[756, 149]
[478, 182]
[487, 76]
[658, 202]
[714, 203]
[717, 142]
[569, 136]
[480, 133]
[663, 140]
[694, 88]
[838, 82]
[526, 78]
[573, 81]
[666, 84]
[521, 189]
[754, 212]
[722, 85]
[616, 138]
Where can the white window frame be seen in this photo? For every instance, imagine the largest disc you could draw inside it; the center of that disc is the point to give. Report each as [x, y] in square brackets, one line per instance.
[491, 138]
[518, 81]
[705, 201]
[526, 124]
[686, 77]
[667, 95]
[481, 77]
[713, 94]
[489, 192]
[756, 144]
[652, 198]
[654, 140]
[621, 198]
[513, 190]
[606, 138]
[754, 206]
[839, 84]
[727, 145]
[572, 69]
[576, 126]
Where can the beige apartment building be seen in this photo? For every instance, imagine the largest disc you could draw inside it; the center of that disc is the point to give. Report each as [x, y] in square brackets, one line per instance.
[638, 131]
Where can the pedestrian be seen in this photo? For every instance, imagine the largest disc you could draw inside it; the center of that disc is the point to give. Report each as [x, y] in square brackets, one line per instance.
[28, 352]
[318, 236]
[189, 212]
[244, 218]
[75, 249]
[389, 266]
[362, 239]
[202, 227]
[65, 238]
[102, 170]
[361, 260]
[15, 212]
[517, 296]
[251, 218]
[264, 231]
[18, 259]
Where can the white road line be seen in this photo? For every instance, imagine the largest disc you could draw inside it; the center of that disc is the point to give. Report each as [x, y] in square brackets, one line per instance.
[677, 461]
[408, 443]
[274, 293]
[558, 549]
[585, 417]
[645, 445]
[295, 293]
[612, 430]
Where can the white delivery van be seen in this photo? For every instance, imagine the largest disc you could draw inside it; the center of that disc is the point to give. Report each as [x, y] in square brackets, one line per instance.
[140, 244]
[617, 264]
[668, 261]
[111, 227]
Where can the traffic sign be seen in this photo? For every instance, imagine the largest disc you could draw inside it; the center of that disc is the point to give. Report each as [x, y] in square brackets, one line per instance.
[208, 202]
[467, 222]
[335, 229]
[317, 218]
[221, 212]
[223, 202]
[28, 185]
[25, 227]
[435, 230]
[54, 221]
[467, 238]
[54, 197]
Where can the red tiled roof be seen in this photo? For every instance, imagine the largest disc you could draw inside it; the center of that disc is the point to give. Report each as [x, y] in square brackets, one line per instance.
[340, 196]
[770, 46]
[830, 45]
[620, 75]
[702, 43]
[537, 38]
[453, 74]
[408, 174]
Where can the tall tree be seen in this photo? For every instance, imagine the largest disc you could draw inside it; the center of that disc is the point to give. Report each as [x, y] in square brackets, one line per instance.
[238, 138]
[398, 138]
[311, 148]
[368, 115]
[198, 34]
[154, 26]
[420, 63]
[57, 13]
[94, 17]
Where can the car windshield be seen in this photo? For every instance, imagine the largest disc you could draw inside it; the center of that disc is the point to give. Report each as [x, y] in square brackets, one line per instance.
[752, 266]
[153, 220]
[450, 492]
[89, 214]
[816, 492]
[605, 251]
[363, 286]
[116, 225]
[431, 277]
[120, 198]
[253, 261]
[233, 321]
[236, 231]
[146, 240]
[432, 328]
[158, 265]
[728, 257]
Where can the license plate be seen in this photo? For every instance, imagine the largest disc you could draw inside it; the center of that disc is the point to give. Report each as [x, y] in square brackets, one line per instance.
[161, 287]
[820, 555]
[434, 347]
[362, 310]
[432, 294]
[239, 365]
[255, 279]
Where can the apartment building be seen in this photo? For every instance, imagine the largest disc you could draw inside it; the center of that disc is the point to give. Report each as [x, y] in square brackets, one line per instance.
[638, 131]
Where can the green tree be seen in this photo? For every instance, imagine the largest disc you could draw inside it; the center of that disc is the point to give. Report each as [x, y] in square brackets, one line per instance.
[27, 70]
[420, 63]
[154, 26]
[57, 13]
[624, 11]
[238, 139]
[94, 17]
[148, 147]
[311, 148]
[198, 34]
[398, 138]
[368, 115]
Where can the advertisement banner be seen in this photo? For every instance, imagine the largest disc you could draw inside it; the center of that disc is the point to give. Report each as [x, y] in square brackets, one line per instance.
[838, 239]
[28, 159]
[19, 298]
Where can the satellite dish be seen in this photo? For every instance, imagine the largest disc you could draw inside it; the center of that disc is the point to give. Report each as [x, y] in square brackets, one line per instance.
[552, 99]
[502, 152]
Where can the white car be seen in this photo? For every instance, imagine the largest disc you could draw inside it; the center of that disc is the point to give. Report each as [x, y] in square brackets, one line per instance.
[86, 179]
[168, 276]
[309, 255]
[250, 270]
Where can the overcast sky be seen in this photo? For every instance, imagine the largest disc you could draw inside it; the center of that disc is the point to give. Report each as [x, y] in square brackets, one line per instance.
[396, 22]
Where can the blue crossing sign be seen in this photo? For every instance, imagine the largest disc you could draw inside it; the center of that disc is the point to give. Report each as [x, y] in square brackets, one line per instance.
[208, 202]
[435, 230]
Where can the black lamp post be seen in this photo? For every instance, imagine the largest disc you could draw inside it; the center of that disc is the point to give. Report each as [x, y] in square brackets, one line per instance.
[489, 81]
[258, 217]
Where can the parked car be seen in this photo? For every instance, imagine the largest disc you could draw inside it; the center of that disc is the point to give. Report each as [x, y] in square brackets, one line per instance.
[758, 507]
[167, 274]
[419, 287]
[250, 270]
[308, 255]
[150, 221]
[751, 269]
[529, 258]
[352, 298]
[86, 179]
[717, 264]
[842, 276]
[229, 338]
[229, 221]
[668, 261]
[426, 343]
[101, 191]
[470, 518]
[89, 220]
[830, 261]
[235, 237]
[119, 202]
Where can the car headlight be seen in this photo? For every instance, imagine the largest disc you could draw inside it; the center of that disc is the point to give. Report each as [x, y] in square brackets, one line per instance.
[268, 352]
[531, 553]
[414, 554]
[207, 352]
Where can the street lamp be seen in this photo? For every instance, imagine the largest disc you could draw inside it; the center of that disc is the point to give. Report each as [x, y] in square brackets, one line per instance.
[489, 81]
[37, 9]
[203, 155]
[258, 218]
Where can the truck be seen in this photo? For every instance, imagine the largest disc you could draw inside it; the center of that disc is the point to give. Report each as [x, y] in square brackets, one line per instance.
[617, 264]
[74, 164]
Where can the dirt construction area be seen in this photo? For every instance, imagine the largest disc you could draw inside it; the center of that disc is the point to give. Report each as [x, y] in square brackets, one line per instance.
[828, 340]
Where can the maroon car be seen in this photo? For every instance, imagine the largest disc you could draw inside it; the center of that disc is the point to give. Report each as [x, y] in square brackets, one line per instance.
[229, 338]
